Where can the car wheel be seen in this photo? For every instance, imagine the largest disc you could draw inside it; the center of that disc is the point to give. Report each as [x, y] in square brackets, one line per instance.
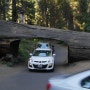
[52, 70]
[29, 70]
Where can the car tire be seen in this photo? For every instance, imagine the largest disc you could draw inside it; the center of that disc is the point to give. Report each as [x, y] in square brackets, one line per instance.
[29, 70]
[52, 70]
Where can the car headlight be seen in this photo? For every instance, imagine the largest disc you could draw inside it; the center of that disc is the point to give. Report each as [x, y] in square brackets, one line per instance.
[31, 60]
[49, 61]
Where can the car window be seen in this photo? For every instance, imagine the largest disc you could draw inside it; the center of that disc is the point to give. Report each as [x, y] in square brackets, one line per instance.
[42, 53]
[39, 45]
[42, 45]
[85, 83]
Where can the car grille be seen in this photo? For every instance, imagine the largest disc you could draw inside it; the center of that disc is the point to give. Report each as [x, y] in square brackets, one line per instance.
[40, 61]
[43, 66]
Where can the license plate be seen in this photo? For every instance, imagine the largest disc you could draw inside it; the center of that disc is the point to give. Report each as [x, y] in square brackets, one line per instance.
[39, 66]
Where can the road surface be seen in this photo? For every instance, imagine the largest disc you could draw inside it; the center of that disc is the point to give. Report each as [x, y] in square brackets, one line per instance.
[19, 78]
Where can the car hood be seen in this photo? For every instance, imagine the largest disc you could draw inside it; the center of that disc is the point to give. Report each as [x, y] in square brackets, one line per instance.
[59, 78]
[35, 58]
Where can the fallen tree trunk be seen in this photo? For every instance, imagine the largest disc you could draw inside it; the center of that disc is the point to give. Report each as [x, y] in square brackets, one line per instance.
[78, 53]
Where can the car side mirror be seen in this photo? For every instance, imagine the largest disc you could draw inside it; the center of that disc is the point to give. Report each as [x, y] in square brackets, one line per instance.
[30, 54]
[54, 54]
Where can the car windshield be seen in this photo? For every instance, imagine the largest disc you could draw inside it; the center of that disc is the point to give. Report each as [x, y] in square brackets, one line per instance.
[42, 53]
[86, 83]
[44, 45]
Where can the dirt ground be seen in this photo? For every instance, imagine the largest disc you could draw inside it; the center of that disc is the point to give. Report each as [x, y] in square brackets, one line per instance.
[7, 71]
[74, 67]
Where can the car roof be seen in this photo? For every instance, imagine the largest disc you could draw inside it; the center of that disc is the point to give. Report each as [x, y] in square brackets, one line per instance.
[47, 48]
[43, 43]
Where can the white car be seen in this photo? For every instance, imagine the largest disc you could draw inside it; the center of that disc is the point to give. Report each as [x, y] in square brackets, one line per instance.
[79, 81]
[41, 59]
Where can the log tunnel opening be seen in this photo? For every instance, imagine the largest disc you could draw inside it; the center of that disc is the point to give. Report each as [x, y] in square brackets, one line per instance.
[28, 45]
[11, 46]
[9, 49]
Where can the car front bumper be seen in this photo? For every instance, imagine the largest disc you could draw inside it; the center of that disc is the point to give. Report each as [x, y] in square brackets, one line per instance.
[40, 66]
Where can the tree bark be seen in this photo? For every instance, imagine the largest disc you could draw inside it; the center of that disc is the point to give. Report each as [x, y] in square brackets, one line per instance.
[78, 53]
[14, 11]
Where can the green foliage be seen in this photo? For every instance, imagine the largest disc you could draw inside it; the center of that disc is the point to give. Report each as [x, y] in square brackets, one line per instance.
[29, 10]
[50, 13]
[10, 64]
[87, 23]
[2, 10]
[62, 43]
[14, 11]
[83, 6]
[80, 18]
[84, 19]
[87, 27]
[26, 46]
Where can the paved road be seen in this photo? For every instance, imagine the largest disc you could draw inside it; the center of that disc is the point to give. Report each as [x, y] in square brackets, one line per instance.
[61, 54]
[19, 78]
[26, 81]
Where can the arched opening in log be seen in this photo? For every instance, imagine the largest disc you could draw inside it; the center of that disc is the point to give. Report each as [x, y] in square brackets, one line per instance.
[28, 45]
[9, 49]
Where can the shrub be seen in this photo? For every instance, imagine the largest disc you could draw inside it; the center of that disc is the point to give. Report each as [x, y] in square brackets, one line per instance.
[26, 46]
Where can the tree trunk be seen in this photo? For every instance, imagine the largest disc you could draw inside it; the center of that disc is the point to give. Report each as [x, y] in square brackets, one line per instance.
[14, 11]
[4, 11]
[78, 53]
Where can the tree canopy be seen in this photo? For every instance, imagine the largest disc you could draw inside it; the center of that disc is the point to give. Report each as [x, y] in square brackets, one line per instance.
[63, 14]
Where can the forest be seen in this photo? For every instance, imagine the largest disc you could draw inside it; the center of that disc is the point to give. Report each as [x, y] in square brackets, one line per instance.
[62, 14]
